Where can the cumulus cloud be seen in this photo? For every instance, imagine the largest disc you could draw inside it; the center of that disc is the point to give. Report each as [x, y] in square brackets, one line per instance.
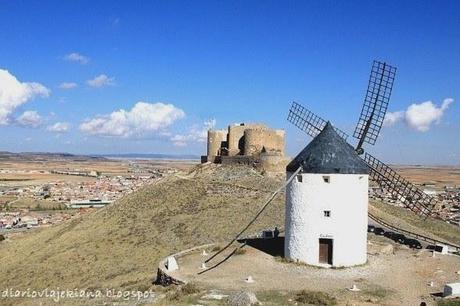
[78, 58]
[30, 119]
[68, 85]
[420, 116]
[143, 119]
[101, 80]
[195, 134]
[393, 118]
[58, 127]
[14, 93]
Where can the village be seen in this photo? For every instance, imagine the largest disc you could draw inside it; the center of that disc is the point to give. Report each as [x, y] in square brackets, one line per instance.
[448, 196]
[52, 202]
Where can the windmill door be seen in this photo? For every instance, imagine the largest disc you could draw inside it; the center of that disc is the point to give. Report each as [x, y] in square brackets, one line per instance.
[325, 251]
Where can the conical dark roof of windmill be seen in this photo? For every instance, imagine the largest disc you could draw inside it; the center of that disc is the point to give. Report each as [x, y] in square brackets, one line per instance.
[328, 153]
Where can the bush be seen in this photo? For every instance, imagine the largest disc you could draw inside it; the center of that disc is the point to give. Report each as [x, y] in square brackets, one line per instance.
[190, 288]
[240, 251]
[315, 298]
[2, 238]
[187, 289]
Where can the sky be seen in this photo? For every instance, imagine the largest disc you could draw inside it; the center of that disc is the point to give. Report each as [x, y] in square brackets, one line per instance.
[107, 77]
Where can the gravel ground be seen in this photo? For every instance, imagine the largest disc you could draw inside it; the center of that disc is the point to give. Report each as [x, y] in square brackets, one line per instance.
[395, 279]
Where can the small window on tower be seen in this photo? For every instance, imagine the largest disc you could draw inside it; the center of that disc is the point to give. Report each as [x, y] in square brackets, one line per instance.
[327, 213]
[326, 179]
[299, 178]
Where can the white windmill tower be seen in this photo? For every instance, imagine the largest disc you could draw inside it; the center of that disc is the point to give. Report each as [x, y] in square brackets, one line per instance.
[326, 204]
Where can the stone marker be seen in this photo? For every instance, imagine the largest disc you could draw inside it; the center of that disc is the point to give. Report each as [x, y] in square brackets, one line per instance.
[354, 288]
[171, 264]
[249, 279]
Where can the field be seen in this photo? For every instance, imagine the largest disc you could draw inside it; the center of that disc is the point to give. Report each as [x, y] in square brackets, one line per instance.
[441, 176]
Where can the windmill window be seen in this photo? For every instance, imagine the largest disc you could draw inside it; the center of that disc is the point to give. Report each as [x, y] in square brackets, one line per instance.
[327, 213]
[326, 179]
[299, 178]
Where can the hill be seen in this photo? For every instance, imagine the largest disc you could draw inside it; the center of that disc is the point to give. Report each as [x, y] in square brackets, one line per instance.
[119, 246]
[46, 156]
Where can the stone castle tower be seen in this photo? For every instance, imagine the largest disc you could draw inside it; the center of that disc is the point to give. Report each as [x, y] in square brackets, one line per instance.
[250, 144]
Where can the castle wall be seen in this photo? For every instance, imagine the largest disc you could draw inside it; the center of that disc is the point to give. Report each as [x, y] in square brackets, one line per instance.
[272, 163]
[216, 140]
[236, 137]
[257, 139]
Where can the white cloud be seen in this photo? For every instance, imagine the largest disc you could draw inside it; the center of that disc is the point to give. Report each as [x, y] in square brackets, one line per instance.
[420, 116]
[59, 127]
[393, 118]
[75, 57]
[30, 119]
[195, 134]
[101, 80]
[144, 118]
[14, 93]
[68, 85]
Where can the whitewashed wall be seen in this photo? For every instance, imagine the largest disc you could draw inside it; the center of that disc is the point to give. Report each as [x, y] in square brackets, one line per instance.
[346, 196]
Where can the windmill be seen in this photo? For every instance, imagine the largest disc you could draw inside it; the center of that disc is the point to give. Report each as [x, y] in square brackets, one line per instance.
[367, 131]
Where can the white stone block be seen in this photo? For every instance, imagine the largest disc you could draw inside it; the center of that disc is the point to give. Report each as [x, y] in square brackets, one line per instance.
[249, 279]
[452, 289]
[171, 264]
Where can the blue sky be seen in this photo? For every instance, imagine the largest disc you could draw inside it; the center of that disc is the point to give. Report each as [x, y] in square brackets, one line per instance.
[223, 62]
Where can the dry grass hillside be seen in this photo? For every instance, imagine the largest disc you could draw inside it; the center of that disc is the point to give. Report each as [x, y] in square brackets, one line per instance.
[119, 246]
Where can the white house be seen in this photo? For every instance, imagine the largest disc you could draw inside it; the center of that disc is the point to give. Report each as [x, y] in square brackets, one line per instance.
[326, 204]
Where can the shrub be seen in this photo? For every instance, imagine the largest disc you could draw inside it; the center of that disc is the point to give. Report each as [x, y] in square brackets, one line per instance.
[240, 251]
[190, 288]
[2, 238]
[315, 298]
[187, 289]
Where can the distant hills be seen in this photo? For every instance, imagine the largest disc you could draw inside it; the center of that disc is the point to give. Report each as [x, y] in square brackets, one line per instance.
[4, 155]
[43, 156]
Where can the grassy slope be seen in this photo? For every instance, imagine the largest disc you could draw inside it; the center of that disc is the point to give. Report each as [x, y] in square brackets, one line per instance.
[407, 220]
[119, 246]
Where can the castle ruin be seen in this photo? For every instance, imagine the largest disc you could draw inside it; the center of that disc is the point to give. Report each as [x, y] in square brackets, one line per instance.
[250, 144]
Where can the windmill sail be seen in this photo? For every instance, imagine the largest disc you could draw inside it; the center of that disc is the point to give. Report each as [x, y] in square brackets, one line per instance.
[308, 121]
[411, 196]
[375, 103]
